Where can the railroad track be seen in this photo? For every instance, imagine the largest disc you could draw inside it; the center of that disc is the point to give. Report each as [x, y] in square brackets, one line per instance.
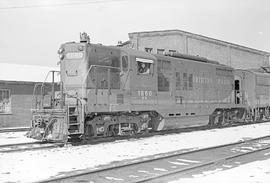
[7, 148]
[157, 167]
[18, 129]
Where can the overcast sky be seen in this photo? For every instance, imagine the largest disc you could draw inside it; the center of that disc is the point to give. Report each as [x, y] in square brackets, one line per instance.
[31, 31]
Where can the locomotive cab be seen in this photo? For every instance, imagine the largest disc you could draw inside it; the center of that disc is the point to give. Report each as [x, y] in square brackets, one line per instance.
[120, 87]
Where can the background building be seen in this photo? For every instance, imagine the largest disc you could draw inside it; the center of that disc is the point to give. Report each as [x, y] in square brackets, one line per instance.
[226, 53]
[17, 84]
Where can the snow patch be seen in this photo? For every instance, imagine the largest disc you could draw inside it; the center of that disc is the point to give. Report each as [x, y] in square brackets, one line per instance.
[33, 166]
[258, 171]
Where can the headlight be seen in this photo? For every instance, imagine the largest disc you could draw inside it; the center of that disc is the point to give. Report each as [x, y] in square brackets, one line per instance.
[61, 56]
[61, 50]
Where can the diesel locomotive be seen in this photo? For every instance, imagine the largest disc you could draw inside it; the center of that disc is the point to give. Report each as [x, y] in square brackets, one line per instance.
[114, 91]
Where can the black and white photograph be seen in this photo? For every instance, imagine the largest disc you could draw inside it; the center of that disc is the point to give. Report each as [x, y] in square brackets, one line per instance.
[132, 91]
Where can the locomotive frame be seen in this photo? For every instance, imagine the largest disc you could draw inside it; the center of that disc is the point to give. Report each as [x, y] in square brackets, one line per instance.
[111, 91]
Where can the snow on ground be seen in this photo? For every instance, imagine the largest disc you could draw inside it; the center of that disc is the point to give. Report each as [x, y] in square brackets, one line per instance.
[258, 171]
[32, 166]
[14, 138]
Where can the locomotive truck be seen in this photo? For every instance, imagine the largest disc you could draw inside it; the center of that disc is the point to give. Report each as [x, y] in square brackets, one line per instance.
[114, 91]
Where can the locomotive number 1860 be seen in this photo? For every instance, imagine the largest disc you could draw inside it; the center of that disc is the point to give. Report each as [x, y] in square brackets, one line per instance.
[144, 94]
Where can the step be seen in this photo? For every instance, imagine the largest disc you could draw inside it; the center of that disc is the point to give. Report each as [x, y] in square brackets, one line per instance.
[73, 124]
[74, 133]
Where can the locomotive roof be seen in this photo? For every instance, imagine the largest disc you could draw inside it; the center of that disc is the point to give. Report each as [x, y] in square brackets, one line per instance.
[255, 71]
[177, 56]
[138, 53]
[180, 56]
[129, 51]
[191, 58]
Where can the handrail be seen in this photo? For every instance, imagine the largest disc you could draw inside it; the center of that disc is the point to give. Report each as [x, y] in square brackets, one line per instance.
[42, 86]
[126, 79]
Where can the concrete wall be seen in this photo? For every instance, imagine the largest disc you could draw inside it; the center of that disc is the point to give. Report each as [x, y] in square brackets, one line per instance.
[170, 42]
[20, 112]
[21, 101]
[184, 42]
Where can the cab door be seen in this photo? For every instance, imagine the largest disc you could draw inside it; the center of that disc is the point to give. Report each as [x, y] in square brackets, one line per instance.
[102, 90]
[120, 93]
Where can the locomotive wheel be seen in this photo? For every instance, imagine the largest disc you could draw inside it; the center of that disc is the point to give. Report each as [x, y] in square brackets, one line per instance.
[117, 129]
[118, 124]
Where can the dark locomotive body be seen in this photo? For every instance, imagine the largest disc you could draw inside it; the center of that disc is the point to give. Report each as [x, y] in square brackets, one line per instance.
[110, 91]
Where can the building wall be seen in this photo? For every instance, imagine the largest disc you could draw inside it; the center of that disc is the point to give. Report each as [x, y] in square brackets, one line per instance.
[20, 112]
[208, 50]
[21, 100]
[170, 42]
[188, 43]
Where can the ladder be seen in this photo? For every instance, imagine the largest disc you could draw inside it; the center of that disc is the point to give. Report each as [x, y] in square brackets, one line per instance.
[73, 120]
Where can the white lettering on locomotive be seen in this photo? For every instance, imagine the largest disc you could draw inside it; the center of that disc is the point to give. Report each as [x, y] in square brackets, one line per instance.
[74, 55]
[144, 94]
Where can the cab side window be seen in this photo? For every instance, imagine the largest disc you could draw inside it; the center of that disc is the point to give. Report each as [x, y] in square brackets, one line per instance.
[144, 66]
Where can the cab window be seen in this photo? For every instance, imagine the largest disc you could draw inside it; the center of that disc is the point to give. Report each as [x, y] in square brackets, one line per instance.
[144, 66]
[124, 63]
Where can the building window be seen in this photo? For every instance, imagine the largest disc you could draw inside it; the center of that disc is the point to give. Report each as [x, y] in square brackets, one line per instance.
[5, 101]
[160, 51]
[149, 50]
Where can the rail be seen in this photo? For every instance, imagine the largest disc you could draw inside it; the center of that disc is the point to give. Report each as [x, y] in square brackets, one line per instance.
[7, 148]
